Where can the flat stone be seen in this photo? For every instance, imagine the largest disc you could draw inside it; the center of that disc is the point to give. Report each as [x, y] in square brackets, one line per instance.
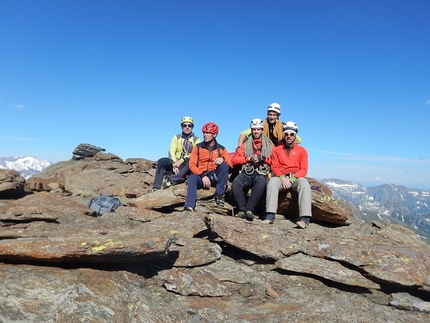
[327, 269]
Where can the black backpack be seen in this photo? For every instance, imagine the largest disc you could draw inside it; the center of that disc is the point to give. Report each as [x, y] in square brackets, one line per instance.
[103, 204]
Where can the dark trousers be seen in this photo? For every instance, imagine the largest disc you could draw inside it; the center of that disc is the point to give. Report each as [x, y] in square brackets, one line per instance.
[241, 185]
[165, 165]
[218, 180]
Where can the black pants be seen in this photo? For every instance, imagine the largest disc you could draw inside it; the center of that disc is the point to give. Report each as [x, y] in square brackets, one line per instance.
[165, 165]
[240, 186]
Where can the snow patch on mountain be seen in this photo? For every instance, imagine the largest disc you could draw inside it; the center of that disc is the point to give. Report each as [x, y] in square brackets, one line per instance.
[27, 166]
[385, 202]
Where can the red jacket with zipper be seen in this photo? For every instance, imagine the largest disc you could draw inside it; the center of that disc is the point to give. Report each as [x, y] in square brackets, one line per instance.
[239, 157]
[295, 161]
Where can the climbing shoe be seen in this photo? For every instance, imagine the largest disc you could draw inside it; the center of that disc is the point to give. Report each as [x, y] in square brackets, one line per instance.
[249, 215]
[167, 183]
[240, 214]
[154, 189]
[219, 200]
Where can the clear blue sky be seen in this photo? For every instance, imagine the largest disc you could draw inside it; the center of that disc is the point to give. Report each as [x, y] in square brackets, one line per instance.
[354, 76]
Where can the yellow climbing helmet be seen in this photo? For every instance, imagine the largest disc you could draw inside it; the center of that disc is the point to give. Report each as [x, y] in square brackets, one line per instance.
[188, 120]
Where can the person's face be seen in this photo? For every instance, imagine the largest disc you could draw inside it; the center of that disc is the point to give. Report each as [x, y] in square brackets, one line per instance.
[208, 137]
[256, 133]
[187, 127]
[272, 116]
[289, 137]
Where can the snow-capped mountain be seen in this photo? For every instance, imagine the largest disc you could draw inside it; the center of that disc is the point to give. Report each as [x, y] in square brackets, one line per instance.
[26, 166]
[389, 203]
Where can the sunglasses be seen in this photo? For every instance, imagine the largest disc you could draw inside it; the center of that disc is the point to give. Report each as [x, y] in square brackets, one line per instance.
[289, 134]
[187, 125]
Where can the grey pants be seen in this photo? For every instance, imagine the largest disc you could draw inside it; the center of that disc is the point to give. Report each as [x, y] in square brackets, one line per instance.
[301, 186]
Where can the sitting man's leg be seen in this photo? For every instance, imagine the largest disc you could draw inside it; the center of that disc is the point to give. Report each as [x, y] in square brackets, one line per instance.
[163, 165]
[272, 195]
[258, 188]
[221, 182]
[302, 187]
[238, 187]
[180, 177]
[194, 183]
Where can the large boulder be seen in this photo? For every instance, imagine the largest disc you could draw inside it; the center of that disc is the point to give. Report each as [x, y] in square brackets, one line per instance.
[11, 183]
[86, 150]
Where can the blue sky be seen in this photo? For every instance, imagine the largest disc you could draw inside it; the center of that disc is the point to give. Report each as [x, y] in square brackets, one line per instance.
[354, 76]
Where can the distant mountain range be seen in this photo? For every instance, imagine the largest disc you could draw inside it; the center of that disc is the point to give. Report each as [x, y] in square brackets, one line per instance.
[26, 166]
[386, 203]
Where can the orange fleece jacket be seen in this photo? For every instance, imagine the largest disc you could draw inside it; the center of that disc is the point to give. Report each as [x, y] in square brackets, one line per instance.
[296, 161]
[202, 159]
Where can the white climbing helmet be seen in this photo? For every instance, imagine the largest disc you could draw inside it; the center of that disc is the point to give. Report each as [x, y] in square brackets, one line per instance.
[290, 126]
[274, 107]
[257, 124]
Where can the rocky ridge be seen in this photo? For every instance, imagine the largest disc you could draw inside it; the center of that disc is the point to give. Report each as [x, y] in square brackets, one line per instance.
[152, 262]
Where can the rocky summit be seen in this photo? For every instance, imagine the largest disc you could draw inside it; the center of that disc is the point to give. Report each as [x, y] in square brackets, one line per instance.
[150, 261]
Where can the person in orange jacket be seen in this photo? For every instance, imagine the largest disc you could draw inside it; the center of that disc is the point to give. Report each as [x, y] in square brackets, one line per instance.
[253, 156]
[289, 167]
[209, 164]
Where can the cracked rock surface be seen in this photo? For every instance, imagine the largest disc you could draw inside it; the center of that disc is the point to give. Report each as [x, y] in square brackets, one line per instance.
[150, 261]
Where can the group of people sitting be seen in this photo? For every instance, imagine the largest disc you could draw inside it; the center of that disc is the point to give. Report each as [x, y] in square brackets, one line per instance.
[268, 159]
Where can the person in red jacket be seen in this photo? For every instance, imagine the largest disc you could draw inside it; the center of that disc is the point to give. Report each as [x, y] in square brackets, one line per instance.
[209, 164]
[289, 167]
[253, 156]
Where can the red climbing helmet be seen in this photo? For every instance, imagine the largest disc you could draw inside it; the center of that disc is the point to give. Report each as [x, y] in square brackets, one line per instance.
[210, 127]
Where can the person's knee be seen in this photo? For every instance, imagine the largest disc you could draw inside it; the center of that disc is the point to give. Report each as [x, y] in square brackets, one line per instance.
[303, 184]
[238, 182]
[235, 186]
[224, 167]
[192, 179]
[274, 182]
[260, 181]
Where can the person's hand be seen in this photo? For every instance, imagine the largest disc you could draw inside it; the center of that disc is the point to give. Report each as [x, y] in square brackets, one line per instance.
[206, 182]
[254, 159]
[176, 166]
[177, 163]
[286, 183]
[219, 161]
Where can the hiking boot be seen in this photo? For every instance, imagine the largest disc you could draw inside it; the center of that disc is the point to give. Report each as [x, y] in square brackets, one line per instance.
[154, 189]
[219, 200]
[240, 214]
[167, 183]
[249, 215]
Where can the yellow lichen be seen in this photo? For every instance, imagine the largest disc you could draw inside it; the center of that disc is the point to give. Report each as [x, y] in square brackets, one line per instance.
[100, 247]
